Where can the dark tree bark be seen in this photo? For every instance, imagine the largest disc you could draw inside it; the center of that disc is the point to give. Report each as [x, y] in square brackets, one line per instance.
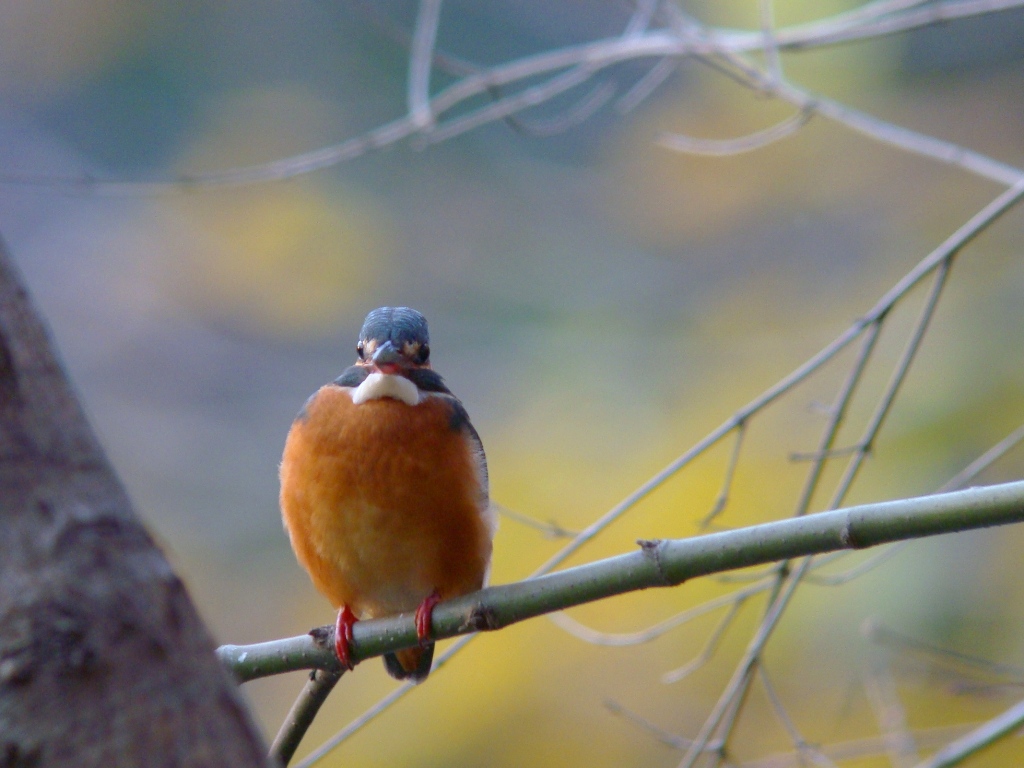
[103, 658]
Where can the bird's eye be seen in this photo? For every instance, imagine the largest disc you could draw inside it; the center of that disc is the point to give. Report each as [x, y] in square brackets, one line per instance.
[359, 350]
[424, 353]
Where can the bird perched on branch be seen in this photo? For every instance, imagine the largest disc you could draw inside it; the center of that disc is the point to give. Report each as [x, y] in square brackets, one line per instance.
[384, 489]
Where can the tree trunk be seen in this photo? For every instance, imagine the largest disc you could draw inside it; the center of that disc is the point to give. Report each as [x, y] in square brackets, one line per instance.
[103, 658]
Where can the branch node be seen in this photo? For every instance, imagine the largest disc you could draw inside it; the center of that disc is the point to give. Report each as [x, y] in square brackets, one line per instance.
[322, 636]
[847, 537]
[652, 549]
[481, 618]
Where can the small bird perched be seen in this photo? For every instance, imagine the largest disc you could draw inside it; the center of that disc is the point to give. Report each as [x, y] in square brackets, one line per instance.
[384, 489]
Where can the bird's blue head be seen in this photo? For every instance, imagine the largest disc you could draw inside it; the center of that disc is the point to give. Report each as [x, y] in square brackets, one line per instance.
[393, 340]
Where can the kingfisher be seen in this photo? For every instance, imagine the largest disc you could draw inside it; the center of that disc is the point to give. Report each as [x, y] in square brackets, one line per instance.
[384, 489]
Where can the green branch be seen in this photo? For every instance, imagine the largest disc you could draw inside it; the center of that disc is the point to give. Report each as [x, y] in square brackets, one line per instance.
[660, 563]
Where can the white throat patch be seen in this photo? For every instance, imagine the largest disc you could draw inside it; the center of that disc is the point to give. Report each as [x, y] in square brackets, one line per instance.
[378, 385]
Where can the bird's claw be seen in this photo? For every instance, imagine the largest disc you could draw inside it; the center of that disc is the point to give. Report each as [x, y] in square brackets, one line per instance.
[424, 614]
[343, 637]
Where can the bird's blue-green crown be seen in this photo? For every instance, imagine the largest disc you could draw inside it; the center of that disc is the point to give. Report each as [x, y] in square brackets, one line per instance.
[397, 324]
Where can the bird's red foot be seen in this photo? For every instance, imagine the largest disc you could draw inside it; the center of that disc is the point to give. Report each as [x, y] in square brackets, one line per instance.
[343, 637]
[423, 616]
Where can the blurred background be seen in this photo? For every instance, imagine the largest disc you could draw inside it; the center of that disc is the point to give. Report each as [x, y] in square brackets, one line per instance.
[598, 302]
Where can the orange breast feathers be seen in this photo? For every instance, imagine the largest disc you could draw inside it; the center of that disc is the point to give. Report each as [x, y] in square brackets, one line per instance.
[386, 502]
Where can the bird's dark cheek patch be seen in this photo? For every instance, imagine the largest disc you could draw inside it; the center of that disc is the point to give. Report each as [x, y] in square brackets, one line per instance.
[352, 377]
[427, 380]
[303, 413]
[459, 417]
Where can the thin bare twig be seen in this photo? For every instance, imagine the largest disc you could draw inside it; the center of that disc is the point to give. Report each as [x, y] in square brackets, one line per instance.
[444, 61]
[859, 748]
[981, 738]
[730, 473]
[882, 635]
[379, 708]
[577, 113]
[508, 105]
[891, 715]
[600, 95]
[687, 40]
[983, 462]
[902, 138]
[582, 632]
[895, 382]
[641, 17]
[421, 55]
[749, 576]
[712, 45]
[845, 577]
[646, 85]
[844, 750]
[831, 453]
[812, 751]
[961, 479]
[871, 10]
[738, 686]
[837, 414]
[708, 651]
[458, 67]
[320, 684]
[839, 29]
[728, 703]
[551, 528]
[726, 147]
[771, 46]
[669, 739]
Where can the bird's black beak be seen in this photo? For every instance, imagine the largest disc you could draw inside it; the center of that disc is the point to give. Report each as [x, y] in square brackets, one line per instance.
[388, 359]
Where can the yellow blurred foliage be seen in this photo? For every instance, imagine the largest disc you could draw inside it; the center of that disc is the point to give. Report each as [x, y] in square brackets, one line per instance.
[289, 261]
[255, 124]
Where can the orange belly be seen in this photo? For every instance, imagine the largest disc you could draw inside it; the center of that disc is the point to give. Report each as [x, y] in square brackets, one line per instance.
[382, 503]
